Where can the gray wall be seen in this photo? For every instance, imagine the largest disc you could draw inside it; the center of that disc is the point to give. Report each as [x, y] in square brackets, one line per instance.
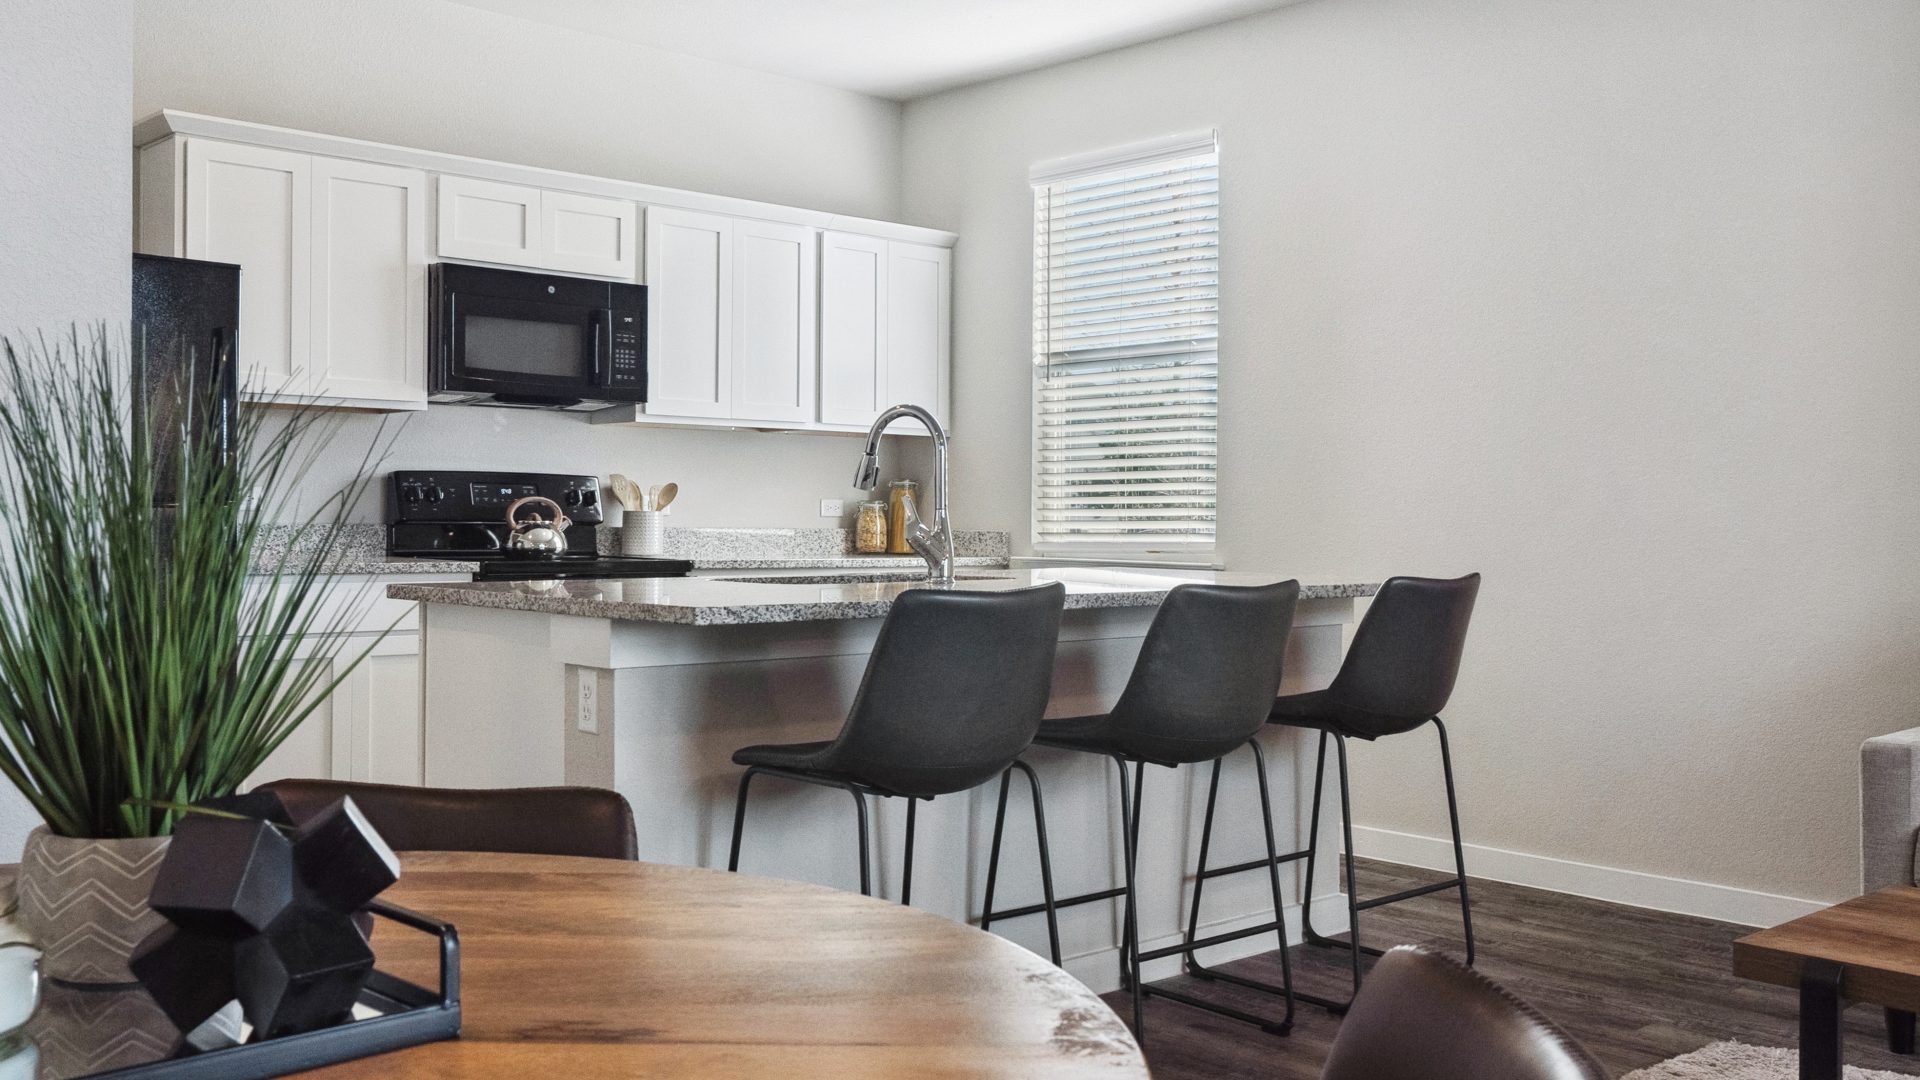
[1617, 301]
[453, 78]
[66, 78]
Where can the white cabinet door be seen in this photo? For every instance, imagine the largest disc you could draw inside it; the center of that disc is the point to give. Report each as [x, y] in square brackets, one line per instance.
[773, 322]
[369, 728]
[587, 235]
[368, 337]
[853, 328]
[919, 282]
[251, 205]
[489, 222]
[689, 313]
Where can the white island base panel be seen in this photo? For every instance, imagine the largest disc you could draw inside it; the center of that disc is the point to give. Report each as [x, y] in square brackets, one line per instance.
[656, 710]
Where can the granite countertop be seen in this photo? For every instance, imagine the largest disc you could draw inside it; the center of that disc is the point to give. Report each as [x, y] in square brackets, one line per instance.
[725, 601]
[361, 549]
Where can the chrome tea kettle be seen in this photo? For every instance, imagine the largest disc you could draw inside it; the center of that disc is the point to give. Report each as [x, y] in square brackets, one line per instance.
[537, 537]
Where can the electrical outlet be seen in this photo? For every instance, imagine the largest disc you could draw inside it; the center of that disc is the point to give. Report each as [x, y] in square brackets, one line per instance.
[587, 701]
[832, 508]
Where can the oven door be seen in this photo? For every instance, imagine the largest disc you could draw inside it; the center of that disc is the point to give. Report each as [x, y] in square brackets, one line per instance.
[520, 349]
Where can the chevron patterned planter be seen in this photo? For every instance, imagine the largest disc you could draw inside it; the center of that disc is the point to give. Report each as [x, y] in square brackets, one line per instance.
[84, 902]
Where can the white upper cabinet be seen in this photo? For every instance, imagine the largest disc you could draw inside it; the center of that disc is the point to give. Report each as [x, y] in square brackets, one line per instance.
[586, 235]
[774, 340]
[919, 285]
[369, 334]
[853, 328]
[333, 258]
[884, 328]
[253, 206]
[689, 313]
[483, 221]
[488, 222]
[759, 316]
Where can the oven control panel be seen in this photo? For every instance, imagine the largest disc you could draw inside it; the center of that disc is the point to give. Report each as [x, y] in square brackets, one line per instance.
[484, 497]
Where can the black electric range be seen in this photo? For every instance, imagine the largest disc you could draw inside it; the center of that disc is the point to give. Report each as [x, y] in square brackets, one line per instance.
[462, 516]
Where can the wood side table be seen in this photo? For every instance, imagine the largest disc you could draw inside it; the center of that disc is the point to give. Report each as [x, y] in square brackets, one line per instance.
[1866, 950]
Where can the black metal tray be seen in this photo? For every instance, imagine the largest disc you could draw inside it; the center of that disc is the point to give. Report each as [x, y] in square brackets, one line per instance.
[407, 1015]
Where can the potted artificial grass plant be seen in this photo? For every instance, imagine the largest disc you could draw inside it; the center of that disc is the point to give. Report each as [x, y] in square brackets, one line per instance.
[143, 667]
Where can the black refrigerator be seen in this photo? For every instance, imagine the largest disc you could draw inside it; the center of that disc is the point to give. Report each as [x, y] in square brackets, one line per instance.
[186, 321]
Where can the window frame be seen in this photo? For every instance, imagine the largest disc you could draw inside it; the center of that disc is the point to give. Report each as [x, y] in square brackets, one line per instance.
[1195, 554]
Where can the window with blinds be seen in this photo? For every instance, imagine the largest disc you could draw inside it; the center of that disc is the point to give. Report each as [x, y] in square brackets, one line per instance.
[1125, 320]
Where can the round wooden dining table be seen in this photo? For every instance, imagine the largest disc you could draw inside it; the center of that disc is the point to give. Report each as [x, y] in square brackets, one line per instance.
[585, 969]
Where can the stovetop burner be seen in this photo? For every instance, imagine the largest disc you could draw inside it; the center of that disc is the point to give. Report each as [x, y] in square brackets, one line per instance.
[462, 515]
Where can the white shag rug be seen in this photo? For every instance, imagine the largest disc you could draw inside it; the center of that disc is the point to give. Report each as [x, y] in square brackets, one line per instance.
[1738, 1061]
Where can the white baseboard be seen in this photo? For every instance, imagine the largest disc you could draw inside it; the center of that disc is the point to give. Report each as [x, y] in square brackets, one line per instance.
[1100, 968]
[1631, 887]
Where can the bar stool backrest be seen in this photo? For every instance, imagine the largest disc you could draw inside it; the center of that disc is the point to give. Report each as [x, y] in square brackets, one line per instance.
[1406, 651]
[954, 690]
[1208, 671]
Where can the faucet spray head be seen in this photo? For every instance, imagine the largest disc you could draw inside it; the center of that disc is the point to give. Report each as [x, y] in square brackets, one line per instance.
[868, 472]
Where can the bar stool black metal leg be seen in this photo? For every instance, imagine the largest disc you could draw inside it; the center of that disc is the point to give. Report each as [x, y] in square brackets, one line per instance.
[1133, 906]
[866, 867]
[1353, 889]
[1283, 1026]
[1048, 907]
[1193, 964]
[1459, 854]
[1311, 935]
[739, 820]
[993, 856]
[1046, 859]
[1129, 931]
[906, 864]
[1126, 866]
[1273, 883]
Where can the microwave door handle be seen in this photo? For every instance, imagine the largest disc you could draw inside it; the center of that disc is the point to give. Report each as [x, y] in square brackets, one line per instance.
[600, 370]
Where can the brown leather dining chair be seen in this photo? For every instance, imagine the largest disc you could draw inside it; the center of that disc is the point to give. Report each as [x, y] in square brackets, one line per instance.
[521, 821]
[1423, 1016]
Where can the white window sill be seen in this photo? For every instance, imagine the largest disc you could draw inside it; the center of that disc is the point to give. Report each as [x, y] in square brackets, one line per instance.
[1196, 561]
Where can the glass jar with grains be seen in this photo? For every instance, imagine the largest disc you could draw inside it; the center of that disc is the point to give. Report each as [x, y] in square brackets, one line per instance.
[870, 528]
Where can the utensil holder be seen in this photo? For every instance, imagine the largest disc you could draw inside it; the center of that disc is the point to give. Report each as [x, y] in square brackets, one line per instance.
[643, 532]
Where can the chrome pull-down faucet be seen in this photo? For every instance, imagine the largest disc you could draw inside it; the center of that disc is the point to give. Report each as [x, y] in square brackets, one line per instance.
[933, 542]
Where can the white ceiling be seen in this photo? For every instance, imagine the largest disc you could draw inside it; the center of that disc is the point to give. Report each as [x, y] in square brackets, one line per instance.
[889, 48]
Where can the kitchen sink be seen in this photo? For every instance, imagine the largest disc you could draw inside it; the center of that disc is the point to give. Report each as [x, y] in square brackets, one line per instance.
[900, 577]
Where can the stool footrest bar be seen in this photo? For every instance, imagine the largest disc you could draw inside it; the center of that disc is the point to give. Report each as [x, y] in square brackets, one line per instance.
[1208, 942]
[1255, 864]
[1065, 901]
[1408, 894]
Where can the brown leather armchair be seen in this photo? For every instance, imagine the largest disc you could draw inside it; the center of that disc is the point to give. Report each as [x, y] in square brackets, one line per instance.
[1422, 1016]
[524, 821]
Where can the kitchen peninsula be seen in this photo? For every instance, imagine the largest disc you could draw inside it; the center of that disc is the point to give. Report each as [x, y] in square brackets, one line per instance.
[649, 685]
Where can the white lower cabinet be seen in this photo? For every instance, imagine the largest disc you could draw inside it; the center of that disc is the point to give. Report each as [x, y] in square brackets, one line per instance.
[368, 728]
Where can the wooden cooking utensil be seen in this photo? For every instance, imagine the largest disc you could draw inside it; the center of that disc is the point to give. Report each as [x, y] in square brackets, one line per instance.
[666, 494]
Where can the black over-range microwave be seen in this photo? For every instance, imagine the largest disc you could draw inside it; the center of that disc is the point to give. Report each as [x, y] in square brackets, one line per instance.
[538, 341]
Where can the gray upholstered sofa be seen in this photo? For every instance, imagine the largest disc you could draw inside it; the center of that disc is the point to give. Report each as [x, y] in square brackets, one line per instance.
[1889, 809]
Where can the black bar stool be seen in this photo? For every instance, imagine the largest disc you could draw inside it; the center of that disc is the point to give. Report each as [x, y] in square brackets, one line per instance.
[1397, 677]
[1205, 680]
[954, 691]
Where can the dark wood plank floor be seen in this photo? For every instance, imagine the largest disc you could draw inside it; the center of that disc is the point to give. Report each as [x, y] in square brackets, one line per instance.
[1636, 986]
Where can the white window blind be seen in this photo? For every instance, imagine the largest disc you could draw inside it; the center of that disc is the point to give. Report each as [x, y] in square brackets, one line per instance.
[1125, 318]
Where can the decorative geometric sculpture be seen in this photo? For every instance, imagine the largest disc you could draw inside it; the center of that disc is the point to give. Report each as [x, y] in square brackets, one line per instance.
[262, 912]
